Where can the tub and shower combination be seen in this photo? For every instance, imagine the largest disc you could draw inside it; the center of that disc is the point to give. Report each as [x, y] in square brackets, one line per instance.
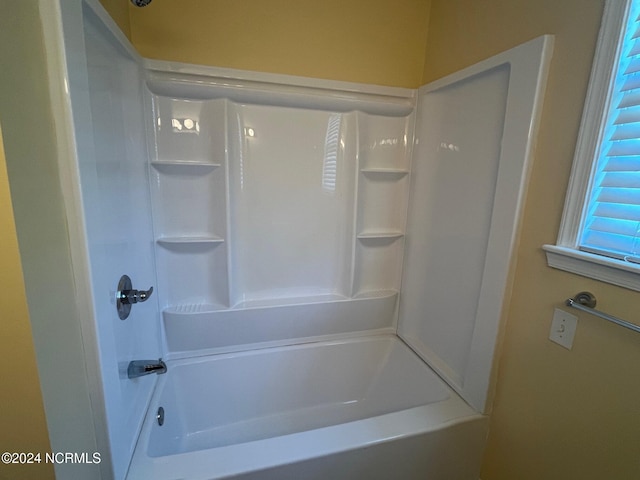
[361, 408]
[330, 259]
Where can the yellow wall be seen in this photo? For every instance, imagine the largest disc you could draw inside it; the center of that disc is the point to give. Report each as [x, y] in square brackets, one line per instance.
[119, 11]
[558, 414]
[372, 41]
[22, 420]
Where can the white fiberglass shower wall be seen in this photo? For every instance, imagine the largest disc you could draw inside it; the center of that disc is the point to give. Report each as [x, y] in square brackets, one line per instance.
[115, 235]
[270, 210]
[279, 210]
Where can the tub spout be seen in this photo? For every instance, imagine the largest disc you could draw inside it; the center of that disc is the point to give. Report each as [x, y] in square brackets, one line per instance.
[138, 368]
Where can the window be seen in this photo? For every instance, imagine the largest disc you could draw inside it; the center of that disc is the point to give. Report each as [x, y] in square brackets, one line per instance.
[600, 232]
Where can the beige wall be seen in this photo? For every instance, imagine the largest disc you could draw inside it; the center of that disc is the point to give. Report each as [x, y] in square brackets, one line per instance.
[558, 414]
[372, 41]
[22, 420]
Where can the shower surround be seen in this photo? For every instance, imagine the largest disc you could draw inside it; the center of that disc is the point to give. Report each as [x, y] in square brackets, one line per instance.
[340, 234]
[279, 210]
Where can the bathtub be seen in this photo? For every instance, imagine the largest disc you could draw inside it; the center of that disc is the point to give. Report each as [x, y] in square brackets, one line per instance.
[360, 408]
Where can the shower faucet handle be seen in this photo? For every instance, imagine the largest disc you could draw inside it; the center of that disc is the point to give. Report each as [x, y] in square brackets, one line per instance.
[127, 296]
[135, 296]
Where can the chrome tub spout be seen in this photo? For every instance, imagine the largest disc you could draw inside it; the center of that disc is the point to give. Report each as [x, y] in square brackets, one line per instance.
[139, 368]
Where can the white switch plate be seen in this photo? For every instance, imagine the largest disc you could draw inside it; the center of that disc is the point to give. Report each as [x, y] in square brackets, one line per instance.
[563, 328]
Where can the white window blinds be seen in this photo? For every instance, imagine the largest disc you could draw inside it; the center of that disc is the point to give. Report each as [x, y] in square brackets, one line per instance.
[611, 220]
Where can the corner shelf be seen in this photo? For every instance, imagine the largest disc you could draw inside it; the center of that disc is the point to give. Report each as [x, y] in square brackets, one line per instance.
[392, 172]
[380, 234]
[381, 293]
[171, 166]
[195, 239]
[181, 163]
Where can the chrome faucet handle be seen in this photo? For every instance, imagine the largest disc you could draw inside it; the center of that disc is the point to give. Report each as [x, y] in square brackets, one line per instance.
[127, 296]
[135, 296]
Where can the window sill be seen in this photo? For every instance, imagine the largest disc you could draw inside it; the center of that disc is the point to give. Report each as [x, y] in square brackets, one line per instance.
[605, 269]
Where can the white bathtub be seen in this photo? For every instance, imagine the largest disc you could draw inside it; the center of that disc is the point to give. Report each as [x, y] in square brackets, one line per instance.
[365, 408]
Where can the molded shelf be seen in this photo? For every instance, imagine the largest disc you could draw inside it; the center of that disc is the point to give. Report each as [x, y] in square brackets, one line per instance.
[182, 165]
[390, 172]
[190, 239]
[382, 293]
[286, 301]
[374, 234]
[194, 309]
[214, 329]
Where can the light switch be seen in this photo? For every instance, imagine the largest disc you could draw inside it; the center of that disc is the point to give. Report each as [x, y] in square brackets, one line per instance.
[563, 328]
